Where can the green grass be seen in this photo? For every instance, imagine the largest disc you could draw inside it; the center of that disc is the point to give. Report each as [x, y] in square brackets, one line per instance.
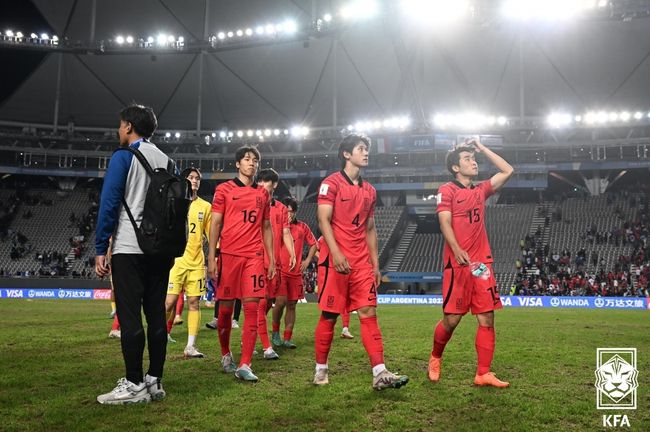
[55, 359]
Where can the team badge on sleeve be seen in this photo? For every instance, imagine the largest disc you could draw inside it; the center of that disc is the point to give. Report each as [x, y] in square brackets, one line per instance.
[323, 189]
[200, 216]
[439, 198]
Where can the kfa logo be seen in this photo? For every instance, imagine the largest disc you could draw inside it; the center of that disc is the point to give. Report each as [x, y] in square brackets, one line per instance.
[616, 378]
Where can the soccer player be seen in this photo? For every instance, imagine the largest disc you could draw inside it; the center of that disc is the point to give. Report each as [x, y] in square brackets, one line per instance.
[241, 224]
[269, 180]
[468, 279]
[291, 289]
[188, 273]
[348, 265]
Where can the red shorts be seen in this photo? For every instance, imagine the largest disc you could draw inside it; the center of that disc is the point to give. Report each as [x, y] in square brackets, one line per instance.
[240, 277]
[339, 292]
[273, 285]
[461, 291]
[291, 287]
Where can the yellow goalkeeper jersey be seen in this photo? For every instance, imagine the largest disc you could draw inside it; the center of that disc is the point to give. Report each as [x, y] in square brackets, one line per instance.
[198, 223]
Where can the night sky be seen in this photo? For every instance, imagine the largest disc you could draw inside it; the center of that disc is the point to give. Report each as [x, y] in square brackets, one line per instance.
[17, 65]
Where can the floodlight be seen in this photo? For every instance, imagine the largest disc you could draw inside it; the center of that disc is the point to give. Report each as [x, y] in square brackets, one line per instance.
[119, 40]
[240, 133]
[249, 133]
[44, 36]
[638, 115]
[168, 135]
[290, 27]
[170, 39]
[19, 35]
[276, 132]
[162, 39]
[240, 32]
[249, 32]
[625, 116]
[222, 134]
[177, 135]
[9, 33]
[221, 35]
[327, 17]
[129, 39]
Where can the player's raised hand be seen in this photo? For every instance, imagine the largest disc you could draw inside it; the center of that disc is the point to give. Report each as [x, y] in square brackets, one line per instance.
[474, 142]
[340, 262]
[462, 257]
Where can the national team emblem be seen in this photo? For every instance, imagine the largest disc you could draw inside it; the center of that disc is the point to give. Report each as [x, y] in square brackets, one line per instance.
[258, 202]
[330, 301]
[366, 204]
[323, 189]
[616, 378]
[200, 216]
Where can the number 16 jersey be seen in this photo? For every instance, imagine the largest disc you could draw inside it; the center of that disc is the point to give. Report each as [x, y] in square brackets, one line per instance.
[244, 208]
[352, 206]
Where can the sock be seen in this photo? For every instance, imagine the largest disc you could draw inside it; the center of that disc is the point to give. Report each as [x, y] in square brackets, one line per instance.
[224, 326]
[372, 341]
[262, 329]
[193, 318]
[191, 339]
[345, 317]
[276, 327]
[113, 306]
[376, 370]
[323, 339]
[440, 338]
[180, 303]
[287, 334]
[485, 341]
[116, 323]
[249, 333]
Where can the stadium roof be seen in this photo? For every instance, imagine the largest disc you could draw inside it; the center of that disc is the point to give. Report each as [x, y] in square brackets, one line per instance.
[384, 66]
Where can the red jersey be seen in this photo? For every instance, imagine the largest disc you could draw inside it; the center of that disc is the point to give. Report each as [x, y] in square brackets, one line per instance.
[352, 206]
[279, 221]
[467, 207]
[301, 233]
[244, 208]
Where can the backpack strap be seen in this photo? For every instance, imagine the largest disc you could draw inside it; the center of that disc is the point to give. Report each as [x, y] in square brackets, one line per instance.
[145, 163]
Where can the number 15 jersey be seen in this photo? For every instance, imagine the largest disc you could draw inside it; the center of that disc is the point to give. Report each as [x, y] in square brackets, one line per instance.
[467, 207]
[244, 208]
[352, 206]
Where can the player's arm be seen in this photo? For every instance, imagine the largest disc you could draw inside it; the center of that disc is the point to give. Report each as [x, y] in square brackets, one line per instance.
[287, 239]
[505, 169]
[213, 237]
[310, 256]
[207, 226]
[267, 237]
[371, 238]
[325, 224]
[462, 257]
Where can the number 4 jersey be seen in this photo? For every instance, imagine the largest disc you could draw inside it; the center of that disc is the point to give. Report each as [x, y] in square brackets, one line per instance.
[244, 208]
[467, 207]
[352, 206]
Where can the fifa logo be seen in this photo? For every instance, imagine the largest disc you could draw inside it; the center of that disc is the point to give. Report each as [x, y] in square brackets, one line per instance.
[616, 378]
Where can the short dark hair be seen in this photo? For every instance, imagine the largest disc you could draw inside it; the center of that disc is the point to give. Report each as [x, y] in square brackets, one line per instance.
[142, 119]
[291, 202]
[269, 174]
[349, 143]
[241, 152]
[453, 157]
[188, 170]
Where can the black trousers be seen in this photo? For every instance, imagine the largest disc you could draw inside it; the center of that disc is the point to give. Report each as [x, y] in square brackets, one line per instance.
[140, 284]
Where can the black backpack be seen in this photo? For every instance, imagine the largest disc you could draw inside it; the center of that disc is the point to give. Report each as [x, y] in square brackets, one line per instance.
[163, 230]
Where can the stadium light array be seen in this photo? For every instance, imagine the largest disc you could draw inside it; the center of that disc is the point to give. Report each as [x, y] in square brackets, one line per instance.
[283, 29]
[468, 121]
[439, 11]
[360, 10]
[594, 118]
[392, 123]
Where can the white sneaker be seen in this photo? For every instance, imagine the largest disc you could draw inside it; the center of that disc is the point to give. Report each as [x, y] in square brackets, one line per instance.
[192, 352]
[228, 363]
[125, 393]
[345, 334]
[387, 379]
[270, 354]
[235, 324]
[321, 377]
[169, 339]
[154, 387]
[212, 324]
[115, 334]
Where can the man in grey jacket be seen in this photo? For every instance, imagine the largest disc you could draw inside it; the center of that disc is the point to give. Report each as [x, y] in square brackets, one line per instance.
[140, 281]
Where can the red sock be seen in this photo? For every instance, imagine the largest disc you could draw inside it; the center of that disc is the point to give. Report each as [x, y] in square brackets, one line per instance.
[372, 341]
[262, 329]
[180, 303]
[116, 323]
[224, 326]
[249, 333]
[287, 334]
[485, 341]
[323, 339]
[440, 338]
[276, 327]
[346, 319]
[170, 324]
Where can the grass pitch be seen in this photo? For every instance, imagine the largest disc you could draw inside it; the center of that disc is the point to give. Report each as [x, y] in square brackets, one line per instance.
[55, 359]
